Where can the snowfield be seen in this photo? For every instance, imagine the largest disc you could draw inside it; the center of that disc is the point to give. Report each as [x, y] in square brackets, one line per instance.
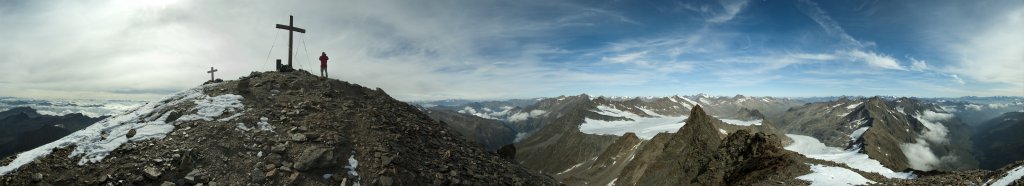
[644, 127]
[813, 148]
[859, 132]
[741, 122]
[95, 142]
[822, 175]
[1012, 175]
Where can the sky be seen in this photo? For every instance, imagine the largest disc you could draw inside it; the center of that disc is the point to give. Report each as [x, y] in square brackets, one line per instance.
[489, 49]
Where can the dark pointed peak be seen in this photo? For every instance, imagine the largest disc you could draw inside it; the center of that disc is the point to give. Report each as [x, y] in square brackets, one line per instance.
[630, 135]
[697, 110]
[699, 119]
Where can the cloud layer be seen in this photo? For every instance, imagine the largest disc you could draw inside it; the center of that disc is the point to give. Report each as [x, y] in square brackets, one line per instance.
[496, 50]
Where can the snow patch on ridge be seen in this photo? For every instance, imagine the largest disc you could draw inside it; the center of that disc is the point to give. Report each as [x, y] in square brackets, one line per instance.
[147, 120]
[822, 175]
[1011, 176]
[853, 106]
[859, 132]
[571, 168]
[813, 148]
[741, 122]
[644, 127]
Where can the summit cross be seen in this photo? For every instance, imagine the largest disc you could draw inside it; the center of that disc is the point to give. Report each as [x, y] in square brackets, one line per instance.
[211, 73]
[291, 30]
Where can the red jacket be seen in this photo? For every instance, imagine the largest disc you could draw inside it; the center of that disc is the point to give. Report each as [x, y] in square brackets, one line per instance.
[323, 60]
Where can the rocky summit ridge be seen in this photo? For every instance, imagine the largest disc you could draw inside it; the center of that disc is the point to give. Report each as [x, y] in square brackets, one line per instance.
[696, 155]
[267, 129]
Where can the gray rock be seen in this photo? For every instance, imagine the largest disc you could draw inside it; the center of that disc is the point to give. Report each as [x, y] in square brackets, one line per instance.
[386, 180]
[386, 160]
[274, 158]
[298, 137]
[131, 133]
[257, 176]
[315, 157]
[152, 172]
[167, 183]
[279, 148]
[37, 177]
[194, 176]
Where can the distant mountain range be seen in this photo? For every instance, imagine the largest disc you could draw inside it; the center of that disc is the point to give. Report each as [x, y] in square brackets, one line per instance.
[24, 128]
[591, 135]
[59, 107]
[333, 127]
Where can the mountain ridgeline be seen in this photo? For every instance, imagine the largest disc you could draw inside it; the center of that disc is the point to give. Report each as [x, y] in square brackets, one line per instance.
[902, 133]
[654, 140]
[294, 128]
[267, 128]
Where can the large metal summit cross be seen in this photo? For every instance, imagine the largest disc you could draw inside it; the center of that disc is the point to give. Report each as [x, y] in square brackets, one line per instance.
[291, 29]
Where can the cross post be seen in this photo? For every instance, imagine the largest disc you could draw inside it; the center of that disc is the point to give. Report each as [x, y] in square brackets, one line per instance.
[291, 29]
[211, 73]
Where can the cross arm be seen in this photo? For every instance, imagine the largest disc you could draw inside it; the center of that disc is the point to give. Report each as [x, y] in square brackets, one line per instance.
[286, 27]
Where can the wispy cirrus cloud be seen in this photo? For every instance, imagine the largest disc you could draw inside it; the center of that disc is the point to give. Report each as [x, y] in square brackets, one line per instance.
[829, 25]
[875, 59]
[720, 12]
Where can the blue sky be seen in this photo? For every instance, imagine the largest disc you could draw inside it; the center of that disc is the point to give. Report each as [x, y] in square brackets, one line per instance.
[427, 50]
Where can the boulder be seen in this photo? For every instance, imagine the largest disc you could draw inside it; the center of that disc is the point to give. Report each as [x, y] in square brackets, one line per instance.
[298, 137]
[131, 133]
[152, 172]
[315, 157]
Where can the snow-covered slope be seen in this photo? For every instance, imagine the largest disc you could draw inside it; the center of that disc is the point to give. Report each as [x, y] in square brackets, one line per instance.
[644, 127]
[146, 122]
[271, 128]
[812, 148]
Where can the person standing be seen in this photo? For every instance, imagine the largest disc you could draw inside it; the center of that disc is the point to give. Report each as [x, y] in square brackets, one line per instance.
[323, 64]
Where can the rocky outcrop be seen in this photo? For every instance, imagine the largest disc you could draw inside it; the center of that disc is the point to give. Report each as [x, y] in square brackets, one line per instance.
[295, 128]
[697, 156]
